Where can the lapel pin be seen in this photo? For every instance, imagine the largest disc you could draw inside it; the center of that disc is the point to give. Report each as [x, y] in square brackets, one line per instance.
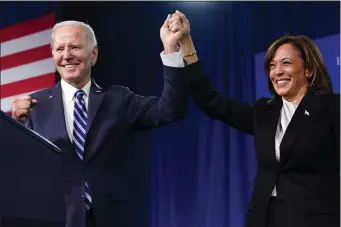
[98, 91]
[50, 96]
[306, 112]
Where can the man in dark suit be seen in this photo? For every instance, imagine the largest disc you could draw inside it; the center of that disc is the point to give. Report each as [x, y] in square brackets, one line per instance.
[92, 125]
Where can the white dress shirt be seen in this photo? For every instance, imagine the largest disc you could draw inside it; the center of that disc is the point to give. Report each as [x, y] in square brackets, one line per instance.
[287, 111]
[68, 94]
[173, 60]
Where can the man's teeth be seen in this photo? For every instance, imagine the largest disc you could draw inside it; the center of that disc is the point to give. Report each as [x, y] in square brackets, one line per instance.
[69, 66]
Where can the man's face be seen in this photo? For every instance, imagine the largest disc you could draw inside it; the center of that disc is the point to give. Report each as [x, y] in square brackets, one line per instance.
[72, 54]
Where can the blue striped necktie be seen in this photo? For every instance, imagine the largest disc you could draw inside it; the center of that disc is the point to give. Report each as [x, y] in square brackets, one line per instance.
[79, 134]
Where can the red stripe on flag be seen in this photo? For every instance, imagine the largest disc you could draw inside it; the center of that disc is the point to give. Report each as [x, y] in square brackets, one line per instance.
[28, 85]
[25, 57]
[27, 27]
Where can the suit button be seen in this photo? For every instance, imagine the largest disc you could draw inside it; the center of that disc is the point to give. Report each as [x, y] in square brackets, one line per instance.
[86, 169]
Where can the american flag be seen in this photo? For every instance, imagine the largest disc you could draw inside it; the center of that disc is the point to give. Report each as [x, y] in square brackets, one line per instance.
[26, 62]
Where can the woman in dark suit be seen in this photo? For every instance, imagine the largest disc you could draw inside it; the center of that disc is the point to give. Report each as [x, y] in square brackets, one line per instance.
[297, 133]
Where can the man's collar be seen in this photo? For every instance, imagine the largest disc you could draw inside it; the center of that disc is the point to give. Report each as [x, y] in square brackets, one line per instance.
[69, 90]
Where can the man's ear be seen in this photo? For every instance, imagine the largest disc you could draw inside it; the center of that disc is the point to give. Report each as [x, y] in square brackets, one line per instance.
[94, 55]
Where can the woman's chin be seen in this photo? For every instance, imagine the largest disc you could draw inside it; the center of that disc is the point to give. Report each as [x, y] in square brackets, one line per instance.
[283, 90]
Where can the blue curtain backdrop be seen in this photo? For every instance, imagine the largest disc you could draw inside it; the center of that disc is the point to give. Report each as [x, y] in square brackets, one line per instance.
[194, 172]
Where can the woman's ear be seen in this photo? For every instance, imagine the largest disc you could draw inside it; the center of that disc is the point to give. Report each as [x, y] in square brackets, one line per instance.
[307, 74]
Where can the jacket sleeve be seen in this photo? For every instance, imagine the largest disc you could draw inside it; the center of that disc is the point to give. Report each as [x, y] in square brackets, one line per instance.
[232, 112]
[150, 112]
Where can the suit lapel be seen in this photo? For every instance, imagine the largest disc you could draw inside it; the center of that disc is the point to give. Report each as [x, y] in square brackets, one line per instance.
[272, 118]
[95, 100]
[306, 112]
[56, 115]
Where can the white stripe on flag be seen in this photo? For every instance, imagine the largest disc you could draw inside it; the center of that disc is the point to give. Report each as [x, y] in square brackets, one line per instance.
[25, 43]
[27, 71]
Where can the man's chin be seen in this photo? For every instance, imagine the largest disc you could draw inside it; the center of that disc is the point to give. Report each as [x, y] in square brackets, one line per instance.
[71, 77]
[75, 79]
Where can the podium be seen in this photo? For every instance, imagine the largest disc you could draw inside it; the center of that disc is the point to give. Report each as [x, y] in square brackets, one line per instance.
[31, 178]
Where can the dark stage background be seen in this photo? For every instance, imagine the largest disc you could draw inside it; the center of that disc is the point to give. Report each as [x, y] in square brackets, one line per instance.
[194, 172]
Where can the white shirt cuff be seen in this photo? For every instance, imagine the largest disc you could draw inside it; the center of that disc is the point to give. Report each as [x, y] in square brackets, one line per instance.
[172, 60]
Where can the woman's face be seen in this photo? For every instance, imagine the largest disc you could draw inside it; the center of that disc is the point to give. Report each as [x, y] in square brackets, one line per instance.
[287, 72]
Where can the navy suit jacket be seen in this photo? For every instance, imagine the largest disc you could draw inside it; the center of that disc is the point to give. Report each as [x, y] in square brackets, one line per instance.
[114, 114]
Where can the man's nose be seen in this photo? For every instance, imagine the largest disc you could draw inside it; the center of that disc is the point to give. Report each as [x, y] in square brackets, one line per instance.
[67, 54]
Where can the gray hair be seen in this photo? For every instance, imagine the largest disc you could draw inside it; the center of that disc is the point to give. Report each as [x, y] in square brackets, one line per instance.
[89, 32]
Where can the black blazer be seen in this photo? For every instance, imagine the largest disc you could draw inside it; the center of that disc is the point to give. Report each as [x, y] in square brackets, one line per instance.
[307, 177]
